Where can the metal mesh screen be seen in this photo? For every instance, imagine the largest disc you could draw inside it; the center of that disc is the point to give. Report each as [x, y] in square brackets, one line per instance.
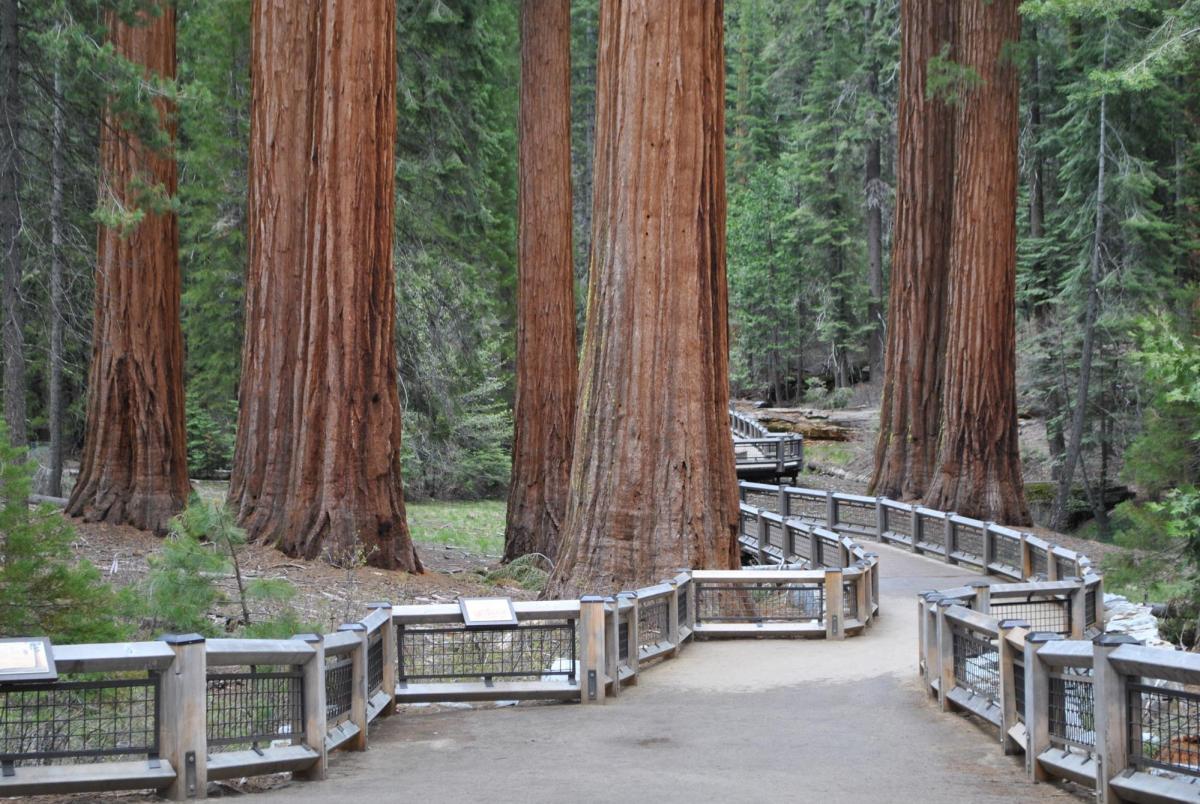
[806, 506]
[1072, 709]
[339, 688]
[858, 516]
[1037, 557]
[976, 664]
[653, 618]
[849, 600]
[528, 650]
[1089, 606]
[801, 543]
[969, 540]
[623, 640]
[1019, 688]
[248, 708]
[933, 531]
[1064, 568]
[759, 603]
[1008, 551]
[375, 664]
[775, 534]
[683, 604]
[898, 522]
[768, 501]
[67, 721]
[1164, 729]
[749, 525]
[1052, 615]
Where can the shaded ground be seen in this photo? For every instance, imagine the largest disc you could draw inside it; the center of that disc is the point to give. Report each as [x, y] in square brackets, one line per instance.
[728, 721]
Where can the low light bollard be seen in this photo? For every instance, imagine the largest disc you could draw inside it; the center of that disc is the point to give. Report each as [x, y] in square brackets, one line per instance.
[591, 639]
[314, 708]
[183, 737]
[358, 681]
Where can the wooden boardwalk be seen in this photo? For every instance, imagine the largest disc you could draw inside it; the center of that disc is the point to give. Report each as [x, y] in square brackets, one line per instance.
[727, 721]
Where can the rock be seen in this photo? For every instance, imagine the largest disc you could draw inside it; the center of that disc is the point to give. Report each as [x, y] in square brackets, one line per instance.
[1135, 619]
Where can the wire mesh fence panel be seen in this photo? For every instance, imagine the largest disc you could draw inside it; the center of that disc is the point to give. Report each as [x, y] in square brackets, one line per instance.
[759, 603]
[749, 525]
[339, 688]
[456, 653]
[1019, 688]
[968, 539]
[1007, 551]
[1071, 710]
[1090, 609]
[855, 515]
[1164, 729]
[766, 500]
[683, 605]
[775, 534]
[849, 600]
[623, 640]
[800, 543]
[1038, 561]
[976, 664]
[653, 619]
[1064, 568]
[933, 531]
[897, 522]
[256, 706]
[70, 721]
[375, 663]
[1052, 615]
[806, 506]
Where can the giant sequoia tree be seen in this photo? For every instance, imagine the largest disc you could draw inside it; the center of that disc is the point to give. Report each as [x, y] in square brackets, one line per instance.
[979, 465]
[133, 468]
[909, 418]
[544, 412]
[334, 489]
[652, 477]
[11, 337]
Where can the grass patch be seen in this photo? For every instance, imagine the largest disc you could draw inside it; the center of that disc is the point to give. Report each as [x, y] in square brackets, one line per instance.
[476, 525]
[527, 572]
[827, 453]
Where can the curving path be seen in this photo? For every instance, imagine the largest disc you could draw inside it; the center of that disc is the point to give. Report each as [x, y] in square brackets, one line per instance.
[728, 721]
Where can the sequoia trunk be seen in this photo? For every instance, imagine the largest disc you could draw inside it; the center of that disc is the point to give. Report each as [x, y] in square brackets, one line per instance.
[11, 320]
[345, 499]
[544, 412]
[910, 413]
[652, 478]
[282, 54]
[134, 465]
[979, 464]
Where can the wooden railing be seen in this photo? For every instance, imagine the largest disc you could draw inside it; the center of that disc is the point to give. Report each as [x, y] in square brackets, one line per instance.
[759, 452]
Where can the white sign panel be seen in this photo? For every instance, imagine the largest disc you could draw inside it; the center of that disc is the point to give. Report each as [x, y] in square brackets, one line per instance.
[25, 659]
[482, 612]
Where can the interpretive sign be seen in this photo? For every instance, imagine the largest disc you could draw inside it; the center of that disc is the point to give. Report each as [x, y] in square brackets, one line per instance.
[26, 659]
[487, 612]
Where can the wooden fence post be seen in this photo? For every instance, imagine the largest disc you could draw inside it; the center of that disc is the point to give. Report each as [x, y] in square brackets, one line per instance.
[873, 563]
[880, 519]
[761, 527]
[673, 617]
[1037, 704]
[930, 632]
[390, 658]
[1111, 714]
[834, 605]
[358, 685]
[1026, 557]
[1052, 567]
[612, 655]
[784, 507]
[916, 528]
[983, 596]
[183, 717]
[1078, 609]
[315, 724]
[862, 588]
[947, 538]
[989, 547]
[591, 642]
[815, 553]
[1009, 716]
[945, 639]
[830, 510]
[633, 636]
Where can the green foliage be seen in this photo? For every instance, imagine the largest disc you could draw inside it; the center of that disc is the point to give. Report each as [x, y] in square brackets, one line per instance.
[43, 589]
[949, 81]
[209, 442]
[527, 572]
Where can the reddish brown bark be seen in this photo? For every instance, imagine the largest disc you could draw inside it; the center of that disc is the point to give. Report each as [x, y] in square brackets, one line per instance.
[283, 51]
[979, 465]
[317, 469]
[910, 414]
[652, 478]
[544, 412]
[133, 469]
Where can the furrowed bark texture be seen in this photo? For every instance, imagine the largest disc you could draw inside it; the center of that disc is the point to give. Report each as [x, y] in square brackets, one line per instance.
[12, 338]
[910, 412]
[652, 479]
[283, 51]
[544, 412]
[345, 493]
[979, 465]
[133, 469]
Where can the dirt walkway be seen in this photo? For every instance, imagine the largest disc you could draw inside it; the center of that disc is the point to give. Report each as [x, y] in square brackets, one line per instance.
[728, 721]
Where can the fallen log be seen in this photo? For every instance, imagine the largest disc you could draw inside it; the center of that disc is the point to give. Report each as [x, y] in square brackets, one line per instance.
[815, 430]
